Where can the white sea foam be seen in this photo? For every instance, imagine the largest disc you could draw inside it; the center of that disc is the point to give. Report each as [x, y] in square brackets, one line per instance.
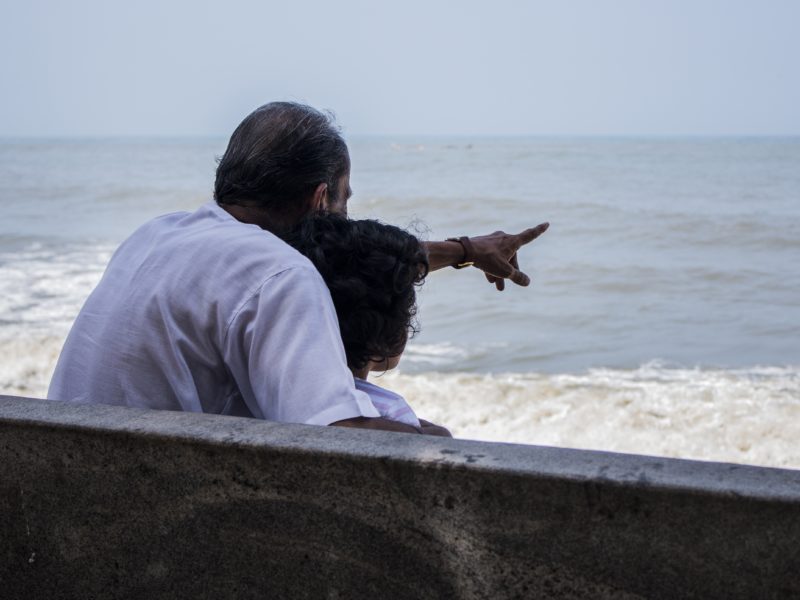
[27, 364]
[431, 356]
[44, 286]
[43, 290]
[746, 416]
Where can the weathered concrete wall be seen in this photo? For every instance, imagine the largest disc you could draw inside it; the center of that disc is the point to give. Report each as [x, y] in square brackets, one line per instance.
[107, 502]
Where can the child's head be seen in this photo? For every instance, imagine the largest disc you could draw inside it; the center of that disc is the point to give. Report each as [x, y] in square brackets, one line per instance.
[372, 271]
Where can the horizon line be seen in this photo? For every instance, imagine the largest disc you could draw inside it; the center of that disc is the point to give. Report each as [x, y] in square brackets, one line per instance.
[217, 136]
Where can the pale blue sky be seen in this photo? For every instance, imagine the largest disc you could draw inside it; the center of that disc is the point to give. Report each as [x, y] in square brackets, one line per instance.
[564, 67]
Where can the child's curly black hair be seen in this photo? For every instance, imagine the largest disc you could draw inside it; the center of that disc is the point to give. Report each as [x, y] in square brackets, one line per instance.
[372, 270]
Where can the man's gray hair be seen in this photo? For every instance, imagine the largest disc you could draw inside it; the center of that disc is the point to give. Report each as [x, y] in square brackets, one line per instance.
[278, 156]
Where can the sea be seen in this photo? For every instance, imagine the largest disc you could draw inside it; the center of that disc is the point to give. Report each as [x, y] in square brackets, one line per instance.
[663, 316]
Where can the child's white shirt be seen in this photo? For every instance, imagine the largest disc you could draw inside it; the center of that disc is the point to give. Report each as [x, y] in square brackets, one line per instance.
[392, 406]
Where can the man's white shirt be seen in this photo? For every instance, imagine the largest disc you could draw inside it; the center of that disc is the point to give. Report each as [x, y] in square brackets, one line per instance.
[200, 312]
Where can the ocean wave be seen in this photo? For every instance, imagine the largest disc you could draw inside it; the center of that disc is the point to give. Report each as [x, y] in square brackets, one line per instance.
[27, 363]
[46, 284]
[739, 415]
[447, 353]
[747, 416]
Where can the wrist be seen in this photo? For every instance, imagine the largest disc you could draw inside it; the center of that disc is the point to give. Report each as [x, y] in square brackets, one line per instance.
[468, 252]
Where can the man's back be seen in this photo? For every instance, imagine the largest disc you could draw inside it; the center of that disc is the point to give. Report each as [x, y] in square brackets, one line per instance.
[200, 312]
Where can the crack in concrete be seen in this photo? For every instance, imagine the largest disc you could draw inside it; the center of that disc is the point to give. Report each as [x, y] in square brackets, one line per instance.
[32, 557]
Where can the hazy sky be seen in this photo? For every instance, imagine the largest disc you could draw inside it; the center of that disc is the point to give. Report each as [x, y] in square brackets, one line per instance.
[101, 67]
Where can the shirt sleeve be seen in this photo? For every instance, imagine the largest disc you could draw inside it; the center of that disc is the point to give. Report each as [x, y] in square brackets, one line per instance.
[285, 352]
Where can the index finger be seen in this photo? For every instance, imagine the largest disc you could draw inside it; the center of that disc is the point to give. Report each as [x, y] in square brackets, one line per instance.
[531, 234]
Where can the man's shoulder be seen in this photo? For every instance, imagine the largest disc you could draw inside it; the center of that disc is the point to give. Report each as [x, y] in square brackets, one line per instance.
[210, 235]
[204, 258]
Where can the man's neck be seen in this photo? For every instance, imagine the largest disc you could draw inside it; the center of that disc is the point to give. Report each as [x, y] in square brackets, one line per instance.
[264, 218]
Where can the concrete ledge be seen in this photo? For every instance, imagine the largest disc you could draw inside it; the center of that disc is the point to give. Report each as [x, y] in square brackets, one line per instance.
[109, 502]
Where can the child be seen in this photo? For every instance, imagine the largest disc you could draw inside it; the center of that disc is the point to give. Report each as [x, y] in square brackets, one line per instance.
[372, 271]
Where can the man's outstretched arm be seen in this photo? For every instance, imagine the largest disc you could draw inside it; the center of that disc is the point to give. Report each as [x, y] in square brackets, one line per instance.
[494, 254]
[387, 425]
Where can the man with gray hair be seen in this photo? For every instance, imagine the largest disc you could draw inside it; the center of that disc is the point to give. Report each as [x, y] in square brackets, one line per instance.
[212, 312]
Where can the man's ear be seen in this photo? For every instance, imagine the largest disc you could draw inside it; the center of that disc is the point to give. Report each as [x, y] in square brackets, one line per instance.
[319, 201]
